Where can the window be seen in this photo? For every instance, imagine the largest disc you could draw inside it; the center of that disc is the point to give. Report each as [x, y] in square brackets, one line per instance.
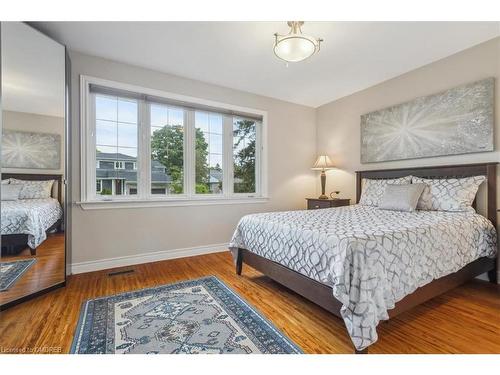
[119, 165]
[167, 150]
[130, 166]
[244, 138]
[105, 164]
[116, 130]
[208, 147]
[146, 145]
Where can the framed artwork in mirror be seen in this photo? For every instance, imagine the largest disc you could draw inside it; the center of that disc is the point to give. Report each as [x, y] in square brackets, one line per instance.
[30, 150]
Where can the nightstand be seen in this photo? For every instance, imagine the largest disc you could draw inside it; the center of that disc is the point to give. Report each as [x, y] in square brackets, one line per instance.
[315, 203]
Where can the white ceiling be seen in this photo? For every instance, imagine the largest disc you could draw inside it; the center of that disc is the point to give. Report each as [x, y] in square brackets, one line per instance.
[354, 55]
[33, 70]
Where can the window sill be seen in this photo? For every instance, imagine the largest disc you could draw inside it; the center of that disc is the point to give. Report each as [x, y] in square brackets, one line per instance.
[151, 203]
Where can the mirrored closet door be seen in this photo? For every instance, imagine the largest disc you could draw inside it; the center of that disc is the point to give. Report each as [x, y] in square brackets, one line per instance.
[34, 160]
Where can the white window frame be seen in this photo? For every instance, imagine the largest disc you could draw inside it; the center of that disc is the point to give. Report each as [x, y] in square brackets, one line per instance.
[144, 198]
[121, 165]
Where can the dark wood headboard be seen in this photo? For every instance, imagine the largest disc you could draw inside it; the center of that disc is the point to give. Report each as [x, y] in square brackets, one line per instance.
[446, 171]
[38, 177]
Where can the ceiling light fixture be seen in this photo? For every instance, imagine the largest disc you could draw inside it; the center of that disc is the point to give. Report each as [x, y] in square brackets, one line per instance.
[295, 46]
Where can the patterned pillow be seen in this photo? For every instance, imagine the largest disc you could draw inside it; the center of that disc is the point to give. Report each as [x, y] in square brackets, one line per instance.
[373, 190]
[401, 197]
[448, 194]
[34, 189]
[10, 192]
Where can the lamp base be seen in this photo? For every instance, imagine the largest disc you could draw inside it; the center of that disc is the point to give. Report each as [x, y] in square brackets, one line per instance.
[322, 196]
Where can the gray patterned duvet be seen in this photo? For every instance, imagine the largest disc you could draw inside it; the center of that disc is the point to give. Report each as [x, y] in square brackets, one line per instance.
[371, 258]
[30, 216]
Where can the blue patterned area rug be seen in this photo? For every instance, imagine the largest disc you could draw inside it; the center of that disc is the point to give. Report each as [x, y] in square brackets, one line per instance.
[191, 317]
[10, 272]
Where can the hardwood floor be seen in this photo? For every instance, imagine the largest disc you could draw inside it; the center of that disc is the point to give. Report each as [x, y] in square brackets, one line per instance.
[47, 271]
[465, 320]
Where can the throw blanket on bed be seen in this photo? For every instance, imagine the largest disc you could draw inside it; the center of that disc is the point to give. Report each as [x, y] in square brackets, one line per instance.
[30, 216]
[371, 258]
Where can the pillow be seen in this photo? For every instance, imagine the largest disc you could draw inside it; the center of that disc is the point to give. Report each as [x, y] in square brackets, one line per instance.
[33, 189]
[401, 197]
[373, 190]
[5, 182]
[10, 192]
[448, 194]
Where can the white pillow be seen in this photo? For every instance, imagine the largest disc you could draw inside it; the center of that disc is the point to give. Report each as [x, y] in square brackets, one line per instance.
[448, 194]
[10, 192]
[373, 190]
[33, 189]
[401, 197]
[6, 182]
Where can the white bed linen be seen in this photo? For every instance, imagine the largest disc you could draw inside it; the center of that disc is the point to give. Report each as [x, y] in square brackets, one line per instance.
[371, 257]
[30, 216]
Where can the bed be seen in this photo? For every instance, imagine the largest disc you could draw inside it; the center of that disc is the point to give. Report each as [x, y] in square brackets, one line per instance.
[26, 222]
[364, 264]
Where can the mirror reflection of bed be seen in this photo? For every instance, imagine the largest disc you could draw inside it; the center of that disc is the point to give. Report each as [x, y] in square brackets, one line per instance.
[32, 234]
[33, 163]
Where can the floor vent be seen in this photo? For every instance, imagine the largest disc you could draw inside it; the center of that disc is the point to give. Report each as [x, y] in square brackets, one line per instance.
[121, 272]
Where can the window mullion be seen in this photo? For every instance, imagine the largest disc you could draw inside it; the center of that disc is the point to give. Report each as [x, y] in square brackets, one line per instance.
[227, 162]
[189, 153]
[258, 158]
[144, 152]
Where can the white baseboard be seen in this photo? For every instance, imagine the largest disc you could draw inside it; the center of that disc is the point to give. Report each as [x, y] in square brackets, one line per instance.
[102, 264]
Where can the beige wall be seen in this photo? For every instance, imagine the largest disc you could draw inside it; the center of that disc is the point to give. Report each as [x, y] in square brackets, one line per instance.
[30, 122]
[338, 122]
[101, 234]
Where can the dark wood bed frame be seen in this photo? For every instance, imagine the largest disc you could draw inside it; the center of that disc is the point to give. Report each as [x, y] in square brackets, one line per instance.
[13, 240]
[322, 295]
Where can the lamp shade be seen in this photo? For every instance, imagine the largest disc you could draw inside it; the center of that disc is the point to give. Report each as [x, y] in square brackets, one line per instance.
[323, 162]
[295, 46]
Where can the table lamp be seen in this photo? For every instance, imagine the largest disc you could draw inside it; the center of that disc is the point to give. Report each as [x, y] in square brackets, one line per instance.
[322, 164]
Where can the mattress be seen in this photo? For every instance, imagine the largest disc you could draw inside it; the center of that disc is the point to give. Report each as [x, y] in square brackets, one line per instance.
[371, 258]
[30, 216]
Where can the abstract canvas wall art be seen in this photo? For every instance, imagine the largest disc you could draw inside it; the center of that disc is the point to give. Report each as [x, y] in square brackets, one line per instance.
[30, 150]
[456, 121]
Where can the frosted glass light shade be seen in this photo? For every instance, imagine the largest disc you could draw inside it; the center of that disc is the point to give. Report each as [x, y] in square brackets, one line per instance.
[294, 48]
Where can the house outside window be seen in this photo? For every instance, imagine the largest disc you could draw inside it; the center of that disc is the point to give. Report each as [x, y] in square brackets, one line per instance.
[124, 182]
[152, 147]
